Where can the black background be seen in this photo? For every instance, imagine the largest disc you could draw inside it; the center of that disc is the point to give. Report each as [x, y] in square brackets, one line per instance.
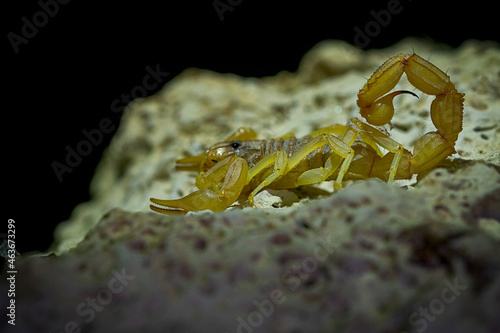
[66, 77]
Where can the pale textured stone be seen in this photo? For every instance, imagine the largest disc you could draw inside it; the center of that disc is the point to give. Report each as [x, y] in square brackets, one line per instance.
[364, 259]
[199, 108]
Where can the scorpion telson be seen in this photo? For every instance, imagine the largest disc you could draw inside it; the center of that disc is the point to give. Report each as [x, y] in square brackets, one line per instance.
[242, 166]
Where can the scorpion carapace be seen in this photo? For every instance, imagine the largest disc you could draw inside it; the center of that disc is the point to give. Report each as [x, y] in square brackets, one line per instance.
[243, 165]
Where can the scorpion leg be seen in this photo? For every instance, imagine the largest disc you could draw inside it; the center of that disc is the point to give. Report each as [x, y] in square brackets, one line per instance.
[279, 161]
[284, 164]
[317, 175]
[213, 194]
[342, 149]
[374, 137]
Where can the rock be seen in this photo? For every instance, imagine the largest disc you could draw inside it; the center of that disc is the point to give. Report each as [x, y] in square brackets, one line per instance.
[275, 198]
[371, 257]
[354, 261]
[200, 107]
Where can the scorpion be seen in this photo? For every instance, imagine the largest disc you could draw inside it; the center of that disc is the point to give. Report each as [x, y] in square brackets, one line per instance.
[243, 165]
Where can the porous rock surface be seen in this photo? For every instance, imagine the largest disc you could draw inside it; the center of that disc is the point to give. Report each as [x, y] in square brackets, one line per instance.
[372, 257]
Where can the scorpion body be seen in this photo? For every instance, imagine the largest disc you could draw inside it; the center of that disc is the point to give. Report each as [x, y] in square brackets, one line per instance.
[255, 150]
[243, 165]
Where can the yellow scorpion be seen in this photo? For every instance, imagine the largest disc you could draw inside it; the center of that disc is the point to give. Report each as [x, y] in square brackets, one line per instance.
[244, 165]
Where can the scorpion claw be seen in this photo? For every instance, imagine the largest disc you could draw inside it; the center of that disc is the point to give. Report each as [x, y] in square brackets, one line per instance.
[199, 200]
[167, 210]
[191, 163]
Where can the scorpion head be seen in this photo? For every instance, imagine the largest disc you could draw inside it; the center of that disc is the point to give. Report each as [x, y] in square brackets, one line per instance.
[212, 156]
[222, 150]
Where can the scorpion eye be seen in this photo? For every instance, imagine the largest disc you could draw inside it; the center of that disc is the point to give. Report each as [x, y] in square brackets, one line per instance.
[235, 145]
[214, 160]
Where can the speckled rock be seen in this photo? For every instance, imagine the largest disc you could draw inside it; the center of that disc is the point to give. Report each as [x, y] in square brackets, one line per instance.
[200, 107]
[372, 257]
[351, 262]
